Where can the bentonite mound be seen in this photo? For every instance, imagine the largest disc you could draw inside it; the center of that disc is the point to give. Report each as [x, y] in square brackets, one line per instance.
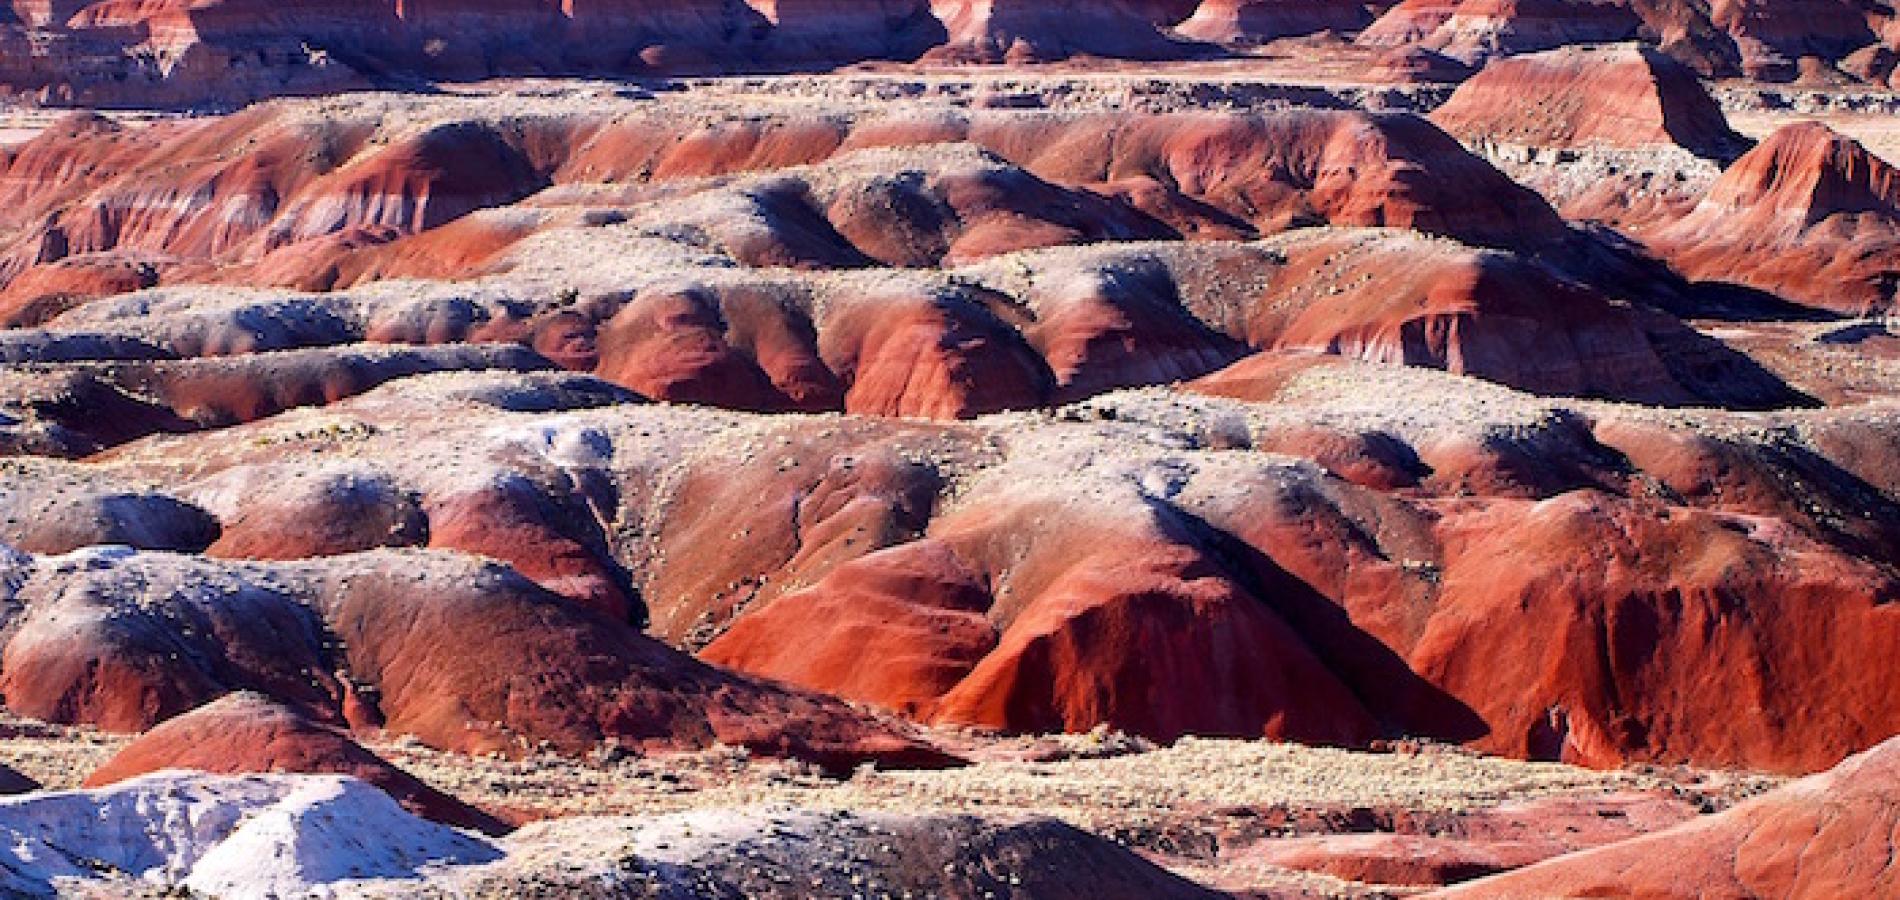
[249, 836]
[1028, 574]
[1237, 21]
[1829, 835]
[1771, 41]
[1071, 403]
[787, 854]
[1809, 215]
[1473, 31]
[292, 835]
[248, 733]
[1020, 31]
[127, 640]
[1624, 96]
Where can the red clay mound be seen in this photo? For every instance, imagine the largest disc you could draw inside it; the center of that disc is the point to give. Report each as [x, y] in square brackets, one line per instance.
[1572, 643]
[917, 353]
[249, 386]
[1626, 96]
[1441, 849]
[517, 521]
[1830, 835]
[412, 186]
[1808, 215]
[1417, 65]
[1125, 620]
[463, 248]
[463, 655]
[1617, 591]
[173, 188]
[1472, 31]
[1021, 31]
[303, 514]
[50, 510]
[1287, 169]
[1258, 21]
[679, 346]
[251, 734]
[828, 32]
[179, 190]
[785, 505]
[1391, 298]
[1774, 38]
[1119, 322]
[42, 292]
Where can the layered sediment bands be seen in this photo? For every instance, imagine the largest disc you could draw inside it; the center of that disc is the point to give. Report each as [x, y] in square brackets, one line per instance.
[463, 655]
[1014, 332]
[1809, 215]
[1021, 31]
[1036, 573]
[733, 282]
[1627, 96]
[1238, 21]
[1476, 30]
[248, 733]
[338, 189]
[1770, 41]
[233, 51]
[1774, 38]
[229, 52]
[1828, 835]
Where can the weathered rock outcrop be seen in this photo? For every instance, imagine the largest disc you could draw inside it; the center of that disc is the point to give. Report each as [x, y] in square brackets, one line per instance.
[245, 836]
[1830, 835]
[127, 640]
[1808, 215]
[1252, 21]
[1767, 40]
[243, 734]
[1021, 31]
[1624, 97]
[292, 835]
[1048, 573]
[1473, 31]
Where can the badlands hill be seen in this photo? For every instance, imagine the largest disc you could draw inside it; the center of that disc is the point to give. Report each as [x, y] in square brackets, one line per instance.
[1169, 448]
[1623, 96]
[226, 52]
